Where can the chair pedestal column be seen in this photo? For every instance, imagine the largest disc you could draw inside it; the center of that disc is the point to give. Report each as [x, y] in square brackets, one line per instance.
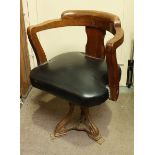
[85, 123]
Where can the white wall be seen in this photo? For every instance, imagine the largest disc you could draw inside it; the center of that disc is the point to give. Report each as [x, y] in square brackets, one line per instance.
[61, 40]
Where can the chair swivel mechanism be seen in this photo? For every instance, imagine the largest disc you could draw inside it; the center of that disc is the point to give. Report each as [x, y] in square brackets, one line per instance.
[83, 78]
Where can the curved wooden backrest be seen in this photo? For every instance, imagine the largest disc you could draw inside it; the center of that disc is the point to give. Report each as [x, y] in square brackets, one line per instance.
[96, 23]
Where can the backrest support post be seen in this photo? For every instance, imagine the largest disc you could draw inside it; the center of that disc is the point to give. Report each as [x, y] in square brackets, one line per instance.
[95, 42]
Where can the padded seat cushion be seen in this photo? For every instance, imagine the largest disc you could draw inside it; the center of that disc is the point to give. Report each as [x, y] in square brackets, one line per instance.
[75, 77]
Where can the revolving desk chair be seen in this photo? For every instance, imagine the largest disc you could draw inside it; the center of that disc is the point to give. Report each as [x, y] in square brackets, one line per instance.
[86, 79]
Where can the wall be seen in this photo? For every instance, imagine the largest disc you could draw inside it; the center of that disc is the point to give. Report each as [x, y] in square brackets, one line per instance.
[57, 41]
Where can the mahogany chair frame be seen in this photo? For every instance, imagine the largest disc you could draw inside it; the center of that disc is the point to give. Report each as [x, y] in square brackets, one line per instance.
[96, 23]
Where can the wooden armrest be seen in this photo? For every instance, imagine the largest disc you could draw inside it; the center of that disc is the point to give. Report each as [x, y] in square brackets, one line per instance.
[113, 71]
[37, 48]
[117, 40]
[33, 38]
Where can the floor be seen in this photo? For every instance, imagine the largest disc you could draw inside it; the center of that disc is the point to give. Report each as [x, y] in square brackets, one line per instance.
[42, 111]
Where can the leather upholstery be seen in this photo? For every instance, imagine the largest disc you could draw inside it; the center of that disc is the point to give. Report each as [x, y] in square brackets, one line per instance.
[75, 77]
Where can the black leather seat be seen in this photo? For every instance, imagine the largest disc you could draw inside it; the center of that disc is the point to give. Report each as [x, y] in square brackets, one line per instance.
[75, 77]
